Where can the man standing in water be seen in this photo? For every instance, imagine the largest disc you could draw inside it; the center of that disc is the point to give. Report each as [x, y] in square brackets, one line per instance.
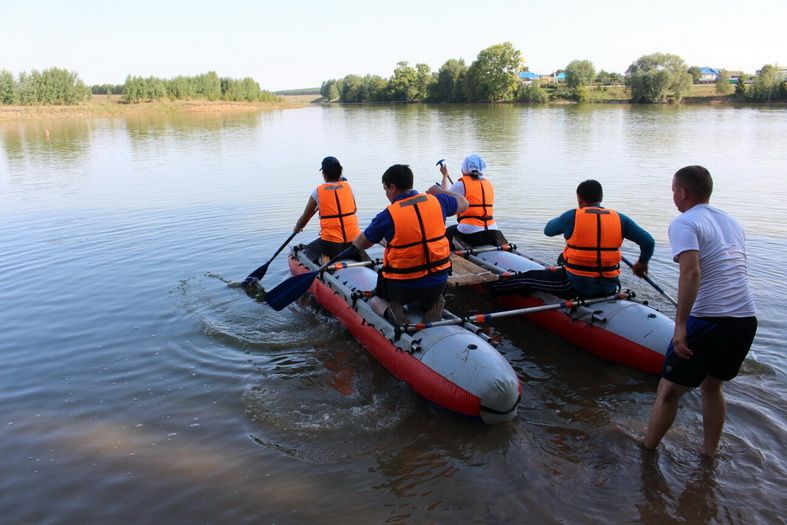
[715, 320]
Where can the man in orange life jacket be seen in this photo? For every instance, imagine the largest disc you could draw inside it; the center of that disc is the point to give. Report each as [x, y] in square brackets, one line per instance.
[477, 225]
[591, 258]
[336, 203]
[417, 257]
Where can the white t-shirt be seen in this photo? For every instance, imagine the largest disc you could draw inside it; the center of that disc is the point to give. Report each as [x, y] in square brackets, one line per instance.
[724, 288]
[463, 227]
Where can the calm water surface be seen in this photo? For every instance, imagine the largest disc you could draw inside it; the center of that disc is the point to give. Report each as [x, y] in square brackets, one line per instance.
[136, 386]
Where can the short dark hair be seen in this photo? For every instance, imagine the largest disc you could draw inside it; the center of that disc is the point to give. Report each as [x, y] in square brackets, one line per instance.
[696, 180]
[331, 169]
[590, 191]
[399, 175]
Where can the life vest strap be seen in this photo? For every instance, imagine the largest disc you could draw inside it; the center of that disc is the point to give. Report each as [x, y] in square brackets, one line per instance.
[338, 215]
[592, 248]
[419, 268]
[591, 268]
[411, 244]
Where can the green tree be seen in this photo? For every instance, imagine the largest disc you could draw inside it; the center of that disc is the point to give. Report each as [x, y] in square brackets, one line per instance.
[375, 88]
[580, 73]
[208, 86]
[740, 86]
[605, 78]
[493, 74]
[330, 90]
[532, 93]
[8, 94]
[352, 89]
[652, 78]
[695, 73]
[766, 84]
[423, 82]
[723, 86]
[450, 82]
[403, 85]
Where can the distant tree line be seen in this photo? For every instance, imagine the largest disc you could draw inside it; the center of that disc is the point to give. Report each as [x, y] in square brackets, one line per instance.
[207, 86]
[494, 77]
[491, 77]
[106, 89]
[50, 86]
[301, 91]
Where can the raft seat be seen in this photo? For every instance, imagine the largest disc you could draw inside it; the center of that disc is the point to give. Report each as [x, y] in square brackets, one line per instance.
[467, 273]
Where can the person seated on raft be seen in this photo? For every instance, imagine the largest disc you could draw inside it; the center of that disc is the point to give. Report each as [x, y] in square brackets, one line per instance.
[591, 259]
[476, 226]
[417, 258]
[338, 222]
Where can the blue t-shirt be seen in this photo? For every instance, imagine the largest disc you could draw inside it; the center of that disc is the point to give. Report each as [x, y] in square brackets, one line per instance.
[382, 227]
[631, 230]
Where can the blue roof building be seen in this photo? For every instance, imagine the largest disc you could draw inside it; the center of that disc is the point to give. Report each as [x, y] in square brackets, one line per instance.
[528, 76]
[709, 74]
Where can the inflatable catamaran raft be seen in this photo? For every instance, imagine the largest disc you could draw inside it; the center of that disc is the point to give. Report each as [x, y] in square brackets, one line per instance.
[622, 331]
[452, 366]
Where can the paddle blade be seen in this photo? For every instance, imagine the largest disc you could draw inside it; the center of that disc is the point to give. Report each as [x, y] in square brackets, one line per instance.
[289, 290]
[258, 274]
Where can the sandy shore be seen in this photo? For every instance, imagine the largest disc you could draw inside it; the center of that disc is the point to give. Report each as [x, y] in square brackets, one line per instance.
[100, 106]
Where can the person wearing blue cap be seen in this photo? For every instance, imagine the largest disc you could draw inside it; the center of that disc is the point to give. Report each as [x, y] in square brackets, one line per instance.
[335, 201]
[476, 226]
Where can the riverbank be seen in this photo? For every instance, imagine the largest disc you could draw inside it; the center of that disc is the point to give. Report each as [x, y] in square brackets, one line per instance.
[101, 106]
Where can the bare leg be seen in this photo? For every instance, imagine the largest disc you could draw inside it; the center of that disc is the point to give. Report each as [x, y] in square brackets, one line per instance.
[714, 412]
[663, 412]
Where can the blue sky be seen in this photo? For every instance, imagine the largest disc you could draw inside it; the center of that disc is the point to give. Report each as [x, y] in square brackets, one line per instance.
[299, 44]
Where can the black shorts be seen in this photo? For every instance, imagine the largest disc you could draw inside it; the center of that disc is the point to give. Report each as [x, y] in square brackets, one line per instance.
[720, 345]
[481, 238]
[322, 247]
[394, 289]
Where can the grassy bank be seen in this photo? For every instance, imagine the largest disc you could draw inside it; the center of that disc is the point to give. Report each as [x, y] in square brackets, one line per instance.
[101, 106]
[698, 94]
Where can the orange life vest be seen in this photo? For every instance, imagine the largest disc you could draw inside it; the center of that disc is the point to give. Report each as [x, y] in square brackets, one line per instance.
[418, 246]
[593, 250]
[338, 222]
[481, 195]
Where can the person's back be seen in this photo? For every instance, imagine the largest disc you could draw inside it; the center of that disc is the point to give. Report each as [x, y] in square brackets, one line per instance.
[338, 218]
[335, 202]
[590, 262]
[721, 243]
[417, 254]
[475, 226]
[715, 320]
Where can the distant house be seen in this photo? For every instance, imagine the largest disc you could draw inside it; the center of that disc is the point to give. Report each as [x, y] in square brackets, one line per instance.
[528, 76]
[709, 74]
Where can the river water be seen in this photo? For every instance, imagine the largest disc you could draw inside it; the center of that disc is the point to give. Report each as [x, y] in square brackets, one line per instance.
[136, 386]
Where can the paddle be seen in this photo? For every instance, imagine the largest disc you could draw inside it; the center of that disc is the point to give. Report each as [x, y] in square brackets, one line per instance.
[482, 318]
[440, 163]
[654, 285]
[259, 273]
[294, 287]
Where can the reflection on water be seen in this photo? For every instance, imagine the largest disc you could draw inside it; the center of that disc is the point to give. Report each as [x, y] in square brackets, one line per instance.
[133, 366]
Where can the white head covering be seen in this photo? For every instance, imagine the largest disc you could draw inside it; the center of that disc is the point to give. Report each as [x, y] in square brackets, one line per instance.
[473, 165]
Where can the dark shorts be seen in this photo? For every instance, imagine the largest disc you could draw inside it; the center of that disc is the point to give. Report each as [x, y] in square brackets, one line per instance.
[482, 238]
[321, 247]
[720, 345]
[404, 292]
